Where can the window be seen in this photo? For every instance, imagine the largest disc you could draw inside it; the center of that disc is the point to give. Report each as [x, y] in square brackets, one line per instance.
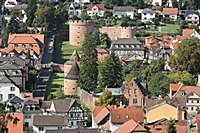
[1, 97]
[30, 45]
[12, 88]
[10, 95]
[23, 45]
[126, 117]
[191, 101]
[15, 45]
[41, 128]
[59, 128]
[197, 101]
[191, 108]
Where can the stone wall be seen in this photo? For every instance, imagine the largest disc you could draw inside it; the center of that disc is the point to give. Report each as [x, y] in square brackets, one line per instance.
[117, 32]
[87, 98]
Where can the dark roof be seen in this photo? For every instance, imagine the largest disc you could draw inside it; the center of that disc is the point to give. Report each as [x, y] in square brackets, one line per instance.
[5, 65]
[127, 41]
[4, 78]
[73, 72]
[49, 120]
[77, 130]
[15, 99]
[123, 8]
[63, 105]
[192, 12]
[15, 60]
[147, 10]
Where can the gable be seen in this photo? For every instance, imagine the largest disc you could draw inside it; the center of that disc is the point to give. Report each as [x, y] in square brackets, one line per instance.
[52, 107]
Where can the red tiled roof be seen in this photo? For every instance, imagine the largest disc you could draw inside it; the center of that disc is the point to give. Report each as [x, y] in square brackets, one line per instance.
[121, 115]
[91, 5]
[16, 128]
[130, 126]
[175, 87]
[187, 31]
[25, 38]
[101, 115]
[181, 38]
[188, 90]
[170, 11]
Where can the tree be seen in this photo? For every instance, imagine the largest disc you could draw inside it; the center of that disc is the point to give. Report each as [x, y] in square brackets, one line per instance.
[31, 9]
[88, 65]
[110, 72]
[170, 127]
[187, 57]
[195, 4]
[13, 25]
[175, 3]
[84, 15]
[44, 17]
[158, 84]
[183, 76]
[140, 4]
[5, 117]
[96, 38]
[105, 41]
[105, 99]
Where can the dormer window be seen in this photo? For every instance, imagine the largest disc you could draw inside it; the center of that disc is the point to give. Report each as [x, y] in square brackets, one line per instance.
[15, 45]
[30, 45]
[23, 45]
[126, 117]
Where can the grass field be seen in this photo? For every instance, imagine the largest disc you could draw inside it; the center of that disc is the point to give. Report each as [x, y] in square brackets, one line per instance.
[170, 28]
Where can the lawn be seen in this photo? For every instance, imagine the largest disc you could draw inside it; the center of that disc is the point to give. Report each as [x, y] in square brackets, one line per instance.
[55, 88]
[170, 28]
[63, 51]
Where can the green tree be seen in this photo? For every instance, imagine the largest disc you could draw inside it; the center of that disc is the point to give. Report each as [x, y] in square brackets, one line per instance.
[110, 72]
[158, 84]
[187, 57]
[175, 3]
[88, 65]
[183, 76]
[31, 9]
[96, 38]
[13, 25]
[170, 127]
[44, 17]
[105, 99]
[105, 41]
[84, 15]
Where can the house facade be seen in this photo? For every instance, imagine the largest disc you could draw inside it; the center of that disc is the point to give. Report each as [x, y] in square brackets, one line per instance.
[42, 123]
[95, 9]
[8, 89]
[74, 10]
[192, 17]
[171, 13]
[157, 2]
[128, 49]
[121, 11]
[148, 15]
[69, 108]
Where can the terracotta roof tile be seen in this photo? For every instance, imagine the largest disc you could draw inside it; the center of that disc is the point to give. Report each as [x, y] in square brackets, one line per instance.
[175, 87]
[121, 115]
[188, 90]
[130, 126]
[181, 38]
[16, 128]
[170, 11]
[187, 31]
[91, 5]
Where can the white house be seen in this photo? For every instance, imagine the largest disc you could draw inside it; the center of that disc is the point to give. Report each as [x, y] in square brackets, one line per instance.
[74, 10]
[171, 13]
[10, 3]
[120, 11]
[82, 1]
[157, 2]
[8, 89]
[95, 9]
[191, 33]
[148, 15]
[192, 17]
[42, 123]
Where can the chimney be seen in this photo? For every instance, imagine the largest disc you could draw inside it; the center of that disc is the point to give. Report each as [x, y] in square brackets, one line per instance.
[198, 80]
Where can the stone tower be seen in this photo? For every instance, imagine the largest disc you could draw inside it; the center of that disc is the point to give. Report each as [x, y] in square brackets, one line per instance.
[77, 30]
[71, 75]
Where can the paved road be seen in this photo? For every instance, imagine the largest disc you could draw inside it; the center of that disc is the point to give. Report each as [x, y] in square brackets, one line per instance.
[48, 50]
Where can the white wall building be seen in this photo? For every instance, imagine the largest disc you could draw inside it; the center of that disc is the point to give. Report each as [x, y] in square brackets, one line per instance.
[7, 89]
[148, 15]
[157, 2]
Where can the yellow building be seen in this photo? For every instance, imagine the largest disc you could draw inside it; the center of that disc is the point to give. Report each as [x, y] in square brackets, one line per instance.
[164, 110]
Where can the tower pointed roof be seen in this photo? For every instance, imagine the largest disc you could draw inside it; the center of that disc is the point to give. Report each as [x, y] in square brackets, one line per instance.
[73, 72]
[75, 57]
